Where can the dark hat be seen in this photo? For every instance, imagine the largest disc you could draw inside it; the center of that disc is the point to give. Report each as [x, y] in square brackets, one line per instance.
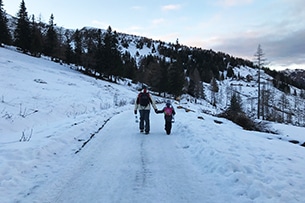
[168, 103]
[144, 88]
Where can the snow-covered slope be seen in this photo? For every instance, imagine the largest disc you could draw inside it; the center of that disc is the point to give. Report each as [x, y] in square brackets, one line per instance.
[66, 137]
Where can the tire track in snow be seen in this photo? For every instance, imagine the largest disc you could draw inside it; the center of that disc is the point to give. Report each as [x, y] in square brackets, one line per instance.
[142, 175]
[93, 134]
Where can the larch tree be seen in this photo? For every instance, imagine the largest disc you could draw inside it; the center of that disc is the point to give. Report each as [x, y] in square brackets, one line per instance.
[260, 61]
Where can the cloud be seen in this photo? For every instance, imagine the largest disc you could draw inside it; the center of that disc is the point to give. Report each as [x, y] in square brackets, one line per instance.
[99, 24]
[289, 49]
[158, 21]
[135, 30]
[233, 2]
[171, 7]
[137, 8]
[281, 34]
[169, 37]
[285, 51]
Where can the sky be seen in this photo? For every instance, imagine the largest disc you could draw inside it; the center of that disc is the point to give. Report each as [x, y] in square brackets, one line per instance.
[235, 27]
[67, 137]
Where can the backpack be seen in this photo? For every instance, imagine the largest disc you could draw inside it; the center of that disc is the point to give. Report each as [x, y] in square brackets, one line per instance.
[144, 99]
[168, 111]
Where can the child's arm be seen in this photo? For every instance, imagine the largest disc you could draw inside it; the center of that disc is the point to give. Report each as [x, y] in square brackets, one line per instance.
[174, 112]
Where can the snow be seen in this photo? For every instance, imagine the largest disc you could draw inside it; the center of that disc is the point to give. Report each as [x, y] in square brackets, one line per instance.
[66, 137]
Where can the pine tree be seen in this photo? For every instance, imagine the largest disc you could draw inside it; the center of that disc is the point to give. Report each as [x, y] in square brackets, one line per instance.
[235, 104]
[68, 48]
[36, 42]
[230, 72]
[98, 55]
[129, 66]
[111, 56]
[4, 31]
[51, 39]
[195, 87]
[78, 48]
[154, 74]
[23, 32]
[175, 79]
[89, 39]
[107, 49]
[163, 85]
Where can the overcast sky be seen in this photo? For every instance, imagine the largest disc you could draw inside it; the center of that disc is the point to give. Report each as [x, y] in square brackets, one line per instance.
[235, 27]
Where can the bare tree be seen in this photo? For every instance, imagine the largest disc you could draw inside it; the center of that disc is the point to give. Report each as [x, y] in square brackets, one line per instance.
[284, 105]
[266, 102]
[214, 89]
[260, 61]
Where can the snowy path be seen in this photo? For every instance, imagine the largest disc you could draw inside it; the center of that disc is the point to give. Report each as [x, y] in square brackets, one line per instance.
[122, 165]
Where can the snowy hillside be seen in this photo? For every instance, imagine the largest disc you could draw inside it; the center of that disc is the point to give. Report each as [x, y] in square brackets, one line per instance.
[282, 104]
[66, 137]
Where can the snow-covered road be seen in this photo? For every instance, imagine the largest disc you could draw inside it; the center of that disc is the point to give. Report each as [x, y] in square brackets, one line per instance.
[122, 165]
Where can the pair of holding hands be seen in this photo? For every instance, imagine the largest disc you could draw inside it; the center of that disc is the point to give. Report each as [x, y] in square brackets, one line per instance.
[135, 111]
